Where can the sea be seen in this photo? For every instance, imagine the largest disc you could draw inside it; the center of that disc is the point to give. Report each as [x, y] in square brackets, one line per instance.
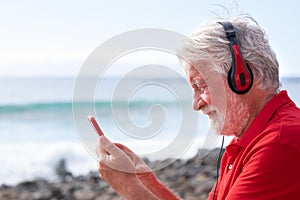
[43, 122]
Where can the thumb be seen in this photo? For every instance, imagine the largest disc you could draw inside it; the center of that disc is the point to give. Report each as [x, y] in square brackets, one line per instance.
[107, 146]
[140, 165]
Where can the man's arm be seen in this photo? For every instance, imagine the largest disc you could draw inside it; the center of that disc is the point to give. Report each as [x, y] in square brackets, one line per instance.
[156, 187]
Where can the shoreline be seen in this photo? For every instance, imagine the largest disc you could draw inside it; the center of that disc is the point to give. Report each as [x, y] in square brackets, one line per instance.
[191, 179]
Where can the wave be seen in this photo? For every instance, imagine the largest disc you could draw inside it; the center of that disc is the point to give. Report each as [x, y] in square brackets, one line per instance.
[38, 160]
[54, 106]
[34, 106]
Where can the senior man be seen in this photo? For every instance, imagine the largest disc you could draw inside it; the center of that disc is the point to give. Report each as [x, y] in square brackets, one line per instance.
[263, 159]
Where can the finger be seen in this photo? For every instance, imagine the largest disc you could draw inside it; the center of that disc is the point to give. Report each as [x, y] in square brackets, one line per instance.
[113, 157]
[107, 146]
[128, 152]
[97, 150]
[100, 153]
[141, 166]
[125, 149]
[102, 170]
[122, 146]
[100, 150]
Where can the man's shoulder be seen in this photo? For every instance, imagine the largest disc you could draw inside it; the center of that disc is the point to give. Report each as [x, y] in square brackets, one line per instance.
[284, 127]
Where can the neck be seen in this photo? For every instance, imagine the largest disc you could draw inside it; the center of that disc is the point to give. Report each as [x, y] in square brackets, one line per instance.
[255, 101]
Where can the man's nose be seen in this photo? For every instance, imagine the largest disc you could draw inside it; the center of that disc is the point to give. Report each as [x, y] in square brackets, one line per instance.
[198, 103]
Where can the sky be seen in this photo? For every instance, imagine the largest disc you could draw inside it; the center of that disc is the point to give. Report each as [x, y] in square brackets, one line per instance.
[54, 38]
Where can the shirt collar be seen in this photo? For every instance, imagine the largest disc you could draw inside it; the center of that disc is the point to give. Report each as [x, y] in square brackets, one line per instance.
[264, 117]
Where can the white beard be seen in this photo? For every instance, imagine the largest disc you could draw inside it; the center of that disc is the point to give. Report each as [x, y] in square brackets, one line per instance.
[234, 121]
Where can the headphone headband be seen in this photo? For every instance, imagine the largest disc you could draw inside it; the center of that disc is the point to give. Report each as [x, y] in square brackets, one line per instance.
[229, 29]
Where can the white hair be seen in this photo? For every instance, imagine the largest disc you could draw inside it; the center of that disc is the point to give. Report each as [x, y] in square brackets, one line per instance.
[209, 44]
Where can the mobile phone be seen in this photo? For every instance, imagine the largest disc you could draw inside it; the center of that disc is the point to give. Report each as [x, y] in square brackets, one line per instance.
[95, 125]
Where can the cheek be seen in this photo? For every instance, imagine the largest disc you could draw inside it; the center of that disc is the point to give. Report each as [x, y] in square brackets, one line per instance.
[206, 97]
[218, 96]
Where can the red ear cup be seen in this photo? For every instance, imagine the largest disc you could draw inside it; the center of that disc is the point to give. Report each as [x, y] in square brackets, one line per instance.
[240, 76]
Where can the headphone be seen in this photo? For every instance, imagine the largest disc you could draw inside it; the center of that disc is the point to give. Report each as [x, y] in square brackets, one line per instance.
[240, 76]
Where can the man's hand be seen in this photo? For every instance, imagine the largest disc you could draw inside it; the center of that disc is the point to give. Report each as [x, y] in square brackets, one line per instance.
[127, 174]
[118, 170]
[147, 177]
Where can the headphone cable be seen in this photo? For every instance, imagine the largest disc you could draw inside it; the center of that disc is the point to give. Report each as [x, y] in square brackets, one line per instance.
[218, 167]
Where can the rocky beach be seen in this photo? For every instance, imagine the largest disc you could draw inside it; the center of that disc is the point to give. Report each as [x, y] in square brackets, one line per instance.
[191, 179]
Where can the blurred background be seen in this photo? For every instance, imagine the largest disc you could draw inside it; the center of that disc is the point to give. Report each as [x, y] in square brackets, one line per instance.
[43, 45]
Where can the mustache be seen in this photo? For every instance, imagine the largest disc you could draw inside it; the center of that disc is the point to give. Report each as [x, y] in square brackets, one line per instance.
[207, 109]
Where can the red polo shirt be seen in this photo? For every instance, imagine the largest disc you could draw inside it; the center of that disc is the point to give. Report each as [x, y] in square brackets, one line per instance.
[265, 162]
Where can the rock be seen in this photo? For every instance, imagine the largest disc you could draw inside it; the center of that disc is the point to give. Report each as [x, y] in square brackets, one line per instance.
[62, 172]
[3, 186]
[84, 194]
[190, 179]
